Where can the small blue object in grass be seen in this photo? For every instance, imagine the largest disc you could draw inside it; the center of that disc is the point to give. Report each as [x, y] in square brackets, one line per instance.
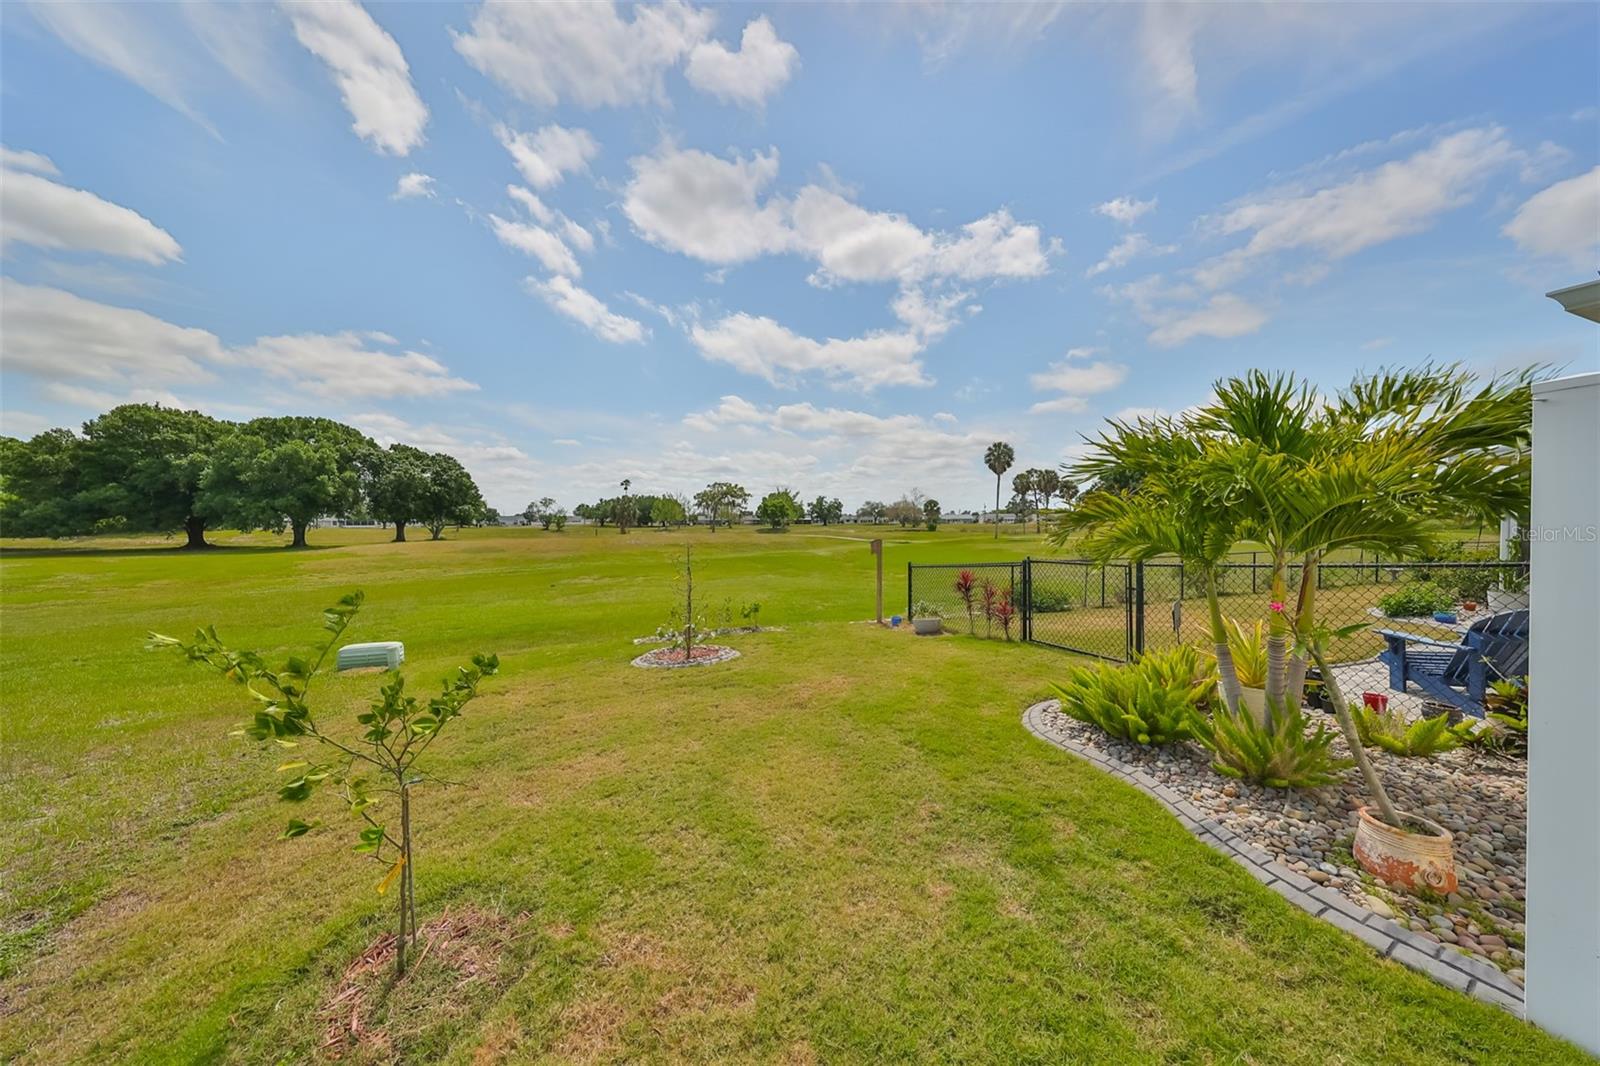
[895, 620]
[387, 654]
[1447, 617]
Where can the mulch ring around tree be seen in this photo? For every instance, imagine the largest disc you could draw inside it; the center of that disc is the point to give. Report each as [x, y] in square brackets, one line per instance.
[672, 658]
[458, 960]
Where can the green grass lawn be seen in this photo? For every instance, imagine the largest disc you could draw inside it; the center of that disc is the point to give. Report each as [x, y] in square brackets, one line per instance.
[841, 847]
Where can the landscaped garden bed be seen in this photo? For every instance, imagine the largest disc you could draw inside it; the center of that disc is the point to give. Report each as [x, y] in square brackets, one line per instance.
[699, 655]
[1481, 799]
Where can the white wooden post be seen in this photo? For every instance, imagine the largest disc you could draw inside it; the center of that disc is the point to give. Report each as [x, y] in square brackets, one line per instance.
[1563, 926]
[877, 553]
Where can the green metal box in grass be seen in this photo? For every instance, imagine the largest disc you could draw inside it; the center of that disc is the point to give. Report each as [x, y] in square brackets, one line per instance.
[385, 653]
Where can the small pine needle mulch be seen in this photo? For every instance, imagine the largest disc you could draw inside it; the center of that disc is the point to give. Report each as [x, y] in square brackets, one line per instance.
[455, 960]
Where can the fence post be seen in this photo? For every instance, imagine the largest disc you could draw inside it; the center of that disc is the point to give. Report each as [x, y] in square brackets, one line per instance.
[1127, 610]
[1138, 608]
[1253, 589]
[1027, 599]
[1102, 586]
[1180, 581]
[909, 601]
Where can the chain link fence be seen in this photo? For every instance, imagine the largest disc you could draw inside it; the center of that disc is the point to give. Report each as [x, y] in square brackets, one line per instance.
[1439, 631]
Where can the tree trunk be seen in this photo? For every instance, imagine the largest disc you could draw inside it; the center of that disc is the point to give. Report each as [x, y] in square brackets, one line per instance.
[1347, 726]
[298, 525]
[1304, 622]
[1227, 676]
[195, 529]
[399, 531]
[406, 929]
[997, 507]
[1277, 642]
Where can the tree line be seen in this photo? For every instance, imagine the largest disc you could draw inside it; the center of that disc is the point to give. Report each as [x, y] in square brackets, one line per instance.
[145, 468]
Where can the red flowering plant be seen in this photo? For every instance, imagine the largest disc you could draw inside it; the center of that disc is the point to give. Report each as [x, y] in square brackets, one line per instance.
[965, 583]
[1005, 612]
[991, 600]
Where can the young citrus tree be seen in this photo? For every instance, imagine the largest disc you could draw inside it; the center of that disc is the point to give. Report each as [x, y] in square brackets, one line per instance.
[373, 772]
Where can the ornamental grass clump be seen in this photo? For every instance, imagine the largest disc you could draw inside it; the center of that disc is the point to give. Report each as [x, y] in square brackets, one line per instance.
[1154, 701]
[373, 772]
[1279, 753]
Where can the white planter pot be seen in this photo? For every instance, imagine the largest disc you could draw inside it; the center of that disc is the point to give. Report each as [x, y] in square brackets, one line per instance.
[927, 627]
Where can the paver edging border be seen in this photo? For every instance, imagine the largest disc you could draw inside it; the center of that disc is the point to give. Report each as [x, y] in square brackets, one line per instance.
[1388, 938]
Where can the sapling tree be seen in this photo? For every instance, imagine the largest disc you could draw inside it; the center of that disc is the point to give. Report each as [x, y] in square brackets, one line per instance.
[373, 772]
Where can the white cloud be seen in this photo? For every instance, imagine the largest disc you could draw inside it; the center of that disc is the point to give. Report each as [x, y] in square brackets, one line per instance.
[1125, 209]
[546, 156]
[1166, 46]
[578, 304]
[853, 243]
[712, 209]
[368, 67]
[1395, 199]
[1125, 251]
[120, 38]
[55, 335]
[1562, 221]
[583, 52]
[1140, 414]
[1083, 351]
[531, 203]
[62, 338]
[538, 242]
[23, 424]
[35, 210]
[688, 201]
[761, 66]
[946, 417]
[413, 185]
[566, 442]
[342, 365]
[19, 159]
[1084, 379]
[1224, 315]
[758, 345]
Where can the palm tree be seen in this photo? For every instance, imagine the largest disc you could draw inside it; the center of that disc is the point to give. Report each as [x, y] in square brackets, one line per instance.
[998, 457]
[1381, 467]
[1167, 516]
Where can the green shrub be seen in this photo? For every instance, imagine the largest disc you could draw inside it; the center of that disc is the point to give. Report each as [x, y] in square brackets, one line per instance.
[1154, 701]
[1416, 599]
[1281, 754]
[1390, 731]
[1182, 667]
[1504, 729]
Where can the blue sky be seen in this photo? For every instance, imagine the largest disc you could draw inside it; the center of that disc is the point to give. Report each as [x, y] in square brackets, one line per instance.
[832, 247]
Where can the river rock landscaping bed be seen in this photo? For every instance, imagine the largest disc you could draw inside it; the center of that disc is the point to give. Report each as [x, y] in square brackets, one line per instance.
[674, 658]
[1480, 798]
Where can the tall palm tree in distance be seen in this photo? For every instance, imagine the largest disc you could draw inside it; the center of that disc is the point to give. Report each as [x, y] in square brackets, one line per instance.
[998, 457]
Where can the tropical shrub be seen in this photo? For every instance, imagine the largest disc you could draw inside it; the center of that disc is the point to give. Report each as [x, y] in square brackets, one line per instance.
[1279, 753]
[1142, 702]
[1005, 612]
[926, 609]
[1416, 599]
[989, 594]
[377, 767]
[1183, 666]
[966, 584]
[1504, 729]
[1389, 730]
[1249, 647]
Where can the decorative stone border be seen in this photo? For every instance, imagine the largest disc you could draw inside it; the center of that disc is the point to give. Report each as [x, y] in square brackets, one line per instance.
[1388, 938]
[645, 662]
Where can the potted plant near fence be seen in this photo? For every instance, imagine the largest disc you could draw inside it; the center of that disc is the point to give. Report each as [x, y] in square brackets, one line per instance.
[926, 618]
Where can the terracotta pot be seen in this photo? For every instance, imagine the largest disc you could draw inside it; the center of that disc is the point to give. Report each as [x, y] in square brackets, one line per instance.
[1405, 859]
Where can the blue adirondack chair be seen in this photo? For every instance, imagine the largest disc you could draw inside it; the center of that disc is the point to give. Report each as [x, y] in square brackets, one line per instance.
[1459, 674]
